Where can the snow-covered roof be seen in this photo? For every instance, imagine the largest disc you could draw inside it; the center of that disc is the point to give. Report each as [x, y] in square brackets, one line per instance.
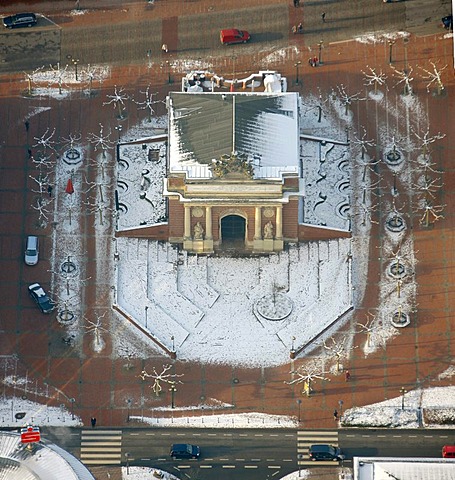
[41, 462]
[403, 468]
[204, 126]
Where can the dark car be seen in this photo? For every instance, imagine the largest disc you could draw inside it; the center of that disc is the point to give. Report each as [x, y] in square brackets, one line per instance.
[325, 452]
[185, 450]
[20, 20]
[41, 298]
[447, 22]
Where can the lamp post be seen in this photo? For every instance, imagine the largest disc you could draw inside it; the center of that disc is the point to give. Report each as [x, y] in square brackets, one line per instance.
[127, 456]
[297, 65]
[173, 343]
[72, 400]
[172, 390]
[403, 392]
[391, 44]
[119, 129]
[299, 402]
[405, 41]
[320, 45]
[146, 316]
[340, 403]
[129, 408]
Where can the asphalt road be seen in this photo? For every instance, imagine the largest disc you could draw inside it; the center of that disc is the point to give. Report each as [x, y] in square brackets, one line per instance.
[264, 452]
[197, 36]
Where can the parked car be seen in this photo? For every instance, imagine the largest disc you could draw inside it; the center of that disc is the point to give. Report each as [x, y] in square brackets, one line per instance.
[325, 452]
[31, 250]
[447, 22]
[40, 297]
[20, 20]
[231, 36]
[185, 450]
[448, 451]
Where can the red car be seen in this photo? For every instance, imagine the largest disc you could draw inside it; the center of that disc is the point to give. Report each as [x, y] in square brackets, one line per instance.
[231, 36]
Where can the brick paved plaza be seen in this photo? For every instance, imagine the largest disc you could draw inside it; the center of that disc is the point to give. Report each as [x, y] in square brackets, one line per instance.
[99, 382]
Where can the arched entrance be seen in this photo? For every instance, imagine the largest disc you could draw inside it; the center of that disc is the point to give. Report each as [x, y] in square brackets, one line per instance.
[233, 228]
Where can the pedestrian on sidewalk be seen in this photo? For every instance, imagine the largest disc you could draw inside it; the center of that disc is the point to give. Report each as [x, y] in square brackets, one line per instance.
[347, 376]
[93, 422]
[296, 3]
[49, 190]
[323, 17]
[335, 415]
[27, 125]
[164, 48]
[29, 151]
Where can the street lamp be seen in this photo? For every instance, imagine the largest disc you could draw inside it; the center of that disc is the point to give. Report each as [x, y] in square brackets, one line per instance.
[320, 45]
[119, 129]
[146, 315]
[127, 456]
[297, 65]
[299, 402]
[173, 343]
[172, 390]
[405, 41]
[391, 44]
[72, 400]
[403, 391]
[129, 408]
[74, 61]
[340, 403]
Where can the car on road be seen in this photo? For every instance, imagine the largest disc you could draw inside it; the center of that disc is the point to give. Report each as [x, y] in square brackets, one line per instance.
[41, 298]
[20, 20]
[448, 451]
[325, 452]
[232, 35]
[185, 450]
[447, 22]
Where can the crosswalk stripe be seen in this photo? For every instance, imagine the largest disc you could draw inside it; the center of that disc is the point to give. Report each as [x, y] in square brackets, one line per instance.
[101, 447]
[306, 438]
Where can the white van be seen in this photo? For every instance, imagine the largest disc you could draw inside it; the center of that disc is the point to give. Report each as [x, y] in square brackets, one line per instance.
[31, 250]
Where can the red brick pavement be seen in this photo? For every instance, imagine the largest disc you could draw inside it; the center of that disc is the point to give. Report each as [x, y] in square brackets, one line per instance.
[102, 386]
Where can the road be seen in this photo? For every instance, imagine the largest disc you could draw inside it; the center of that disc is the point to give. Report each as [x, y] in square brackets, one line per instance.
[266, 452]
[197, 35]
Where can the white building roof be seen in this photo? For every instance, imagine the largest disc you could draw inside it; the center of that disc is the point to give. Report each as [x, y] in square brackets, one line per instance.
[204, 126]
[372, 468]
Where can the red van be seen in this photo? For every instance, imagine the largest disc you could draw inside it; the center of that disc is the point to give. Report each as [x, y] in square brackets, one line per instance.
[228, 37]
[448, 451]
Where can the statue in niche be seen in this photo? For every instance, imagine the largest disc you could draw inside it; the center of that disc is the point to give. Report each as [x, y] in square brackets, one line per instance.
[198, 231]
[268, 230]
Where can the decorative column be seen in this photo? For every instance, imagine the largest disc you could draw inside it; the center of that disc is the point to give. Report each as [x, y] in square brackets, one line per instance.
[208, 241]
[278, 242]
[279, 222]
[258, 244]
[257, 223]
[208, 222]
[187, 223]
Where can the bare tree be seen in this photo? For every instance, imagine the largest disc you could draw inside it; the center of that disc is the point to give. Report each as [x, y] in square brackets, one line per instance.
[405, 78]
[162, 377]
[45, 142]
[434, 77]
[30, 78]
[375, 78]
[308, 373]
[148, 103]
[100, 208]
[93, 74]
[431, 213]
[118, 100]
[365, 213]
[347, 99]
[101, 140]
[42, 181]
[96, 329]
[364, 143]
[58, 75]
[41, 206]
[426, 140]
[338, 349]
